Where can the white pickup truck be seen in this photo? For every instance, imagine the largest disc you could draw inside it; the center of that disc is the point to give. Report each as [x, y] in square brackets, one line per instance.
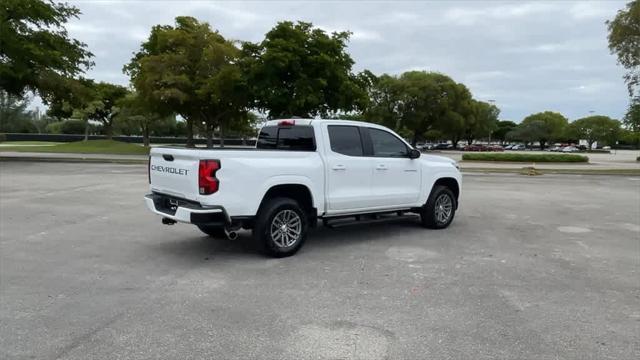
[300, 171]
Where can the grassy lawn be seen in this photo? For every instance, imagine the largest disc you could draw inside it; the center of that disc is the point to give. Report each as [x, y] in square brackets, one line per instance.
[525, 157]
[28, 143]
[84, 147]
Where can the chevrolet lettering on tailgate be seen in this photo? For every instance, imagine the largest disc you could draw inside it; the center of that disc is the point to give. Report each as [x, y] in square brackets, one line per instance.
[170, 170]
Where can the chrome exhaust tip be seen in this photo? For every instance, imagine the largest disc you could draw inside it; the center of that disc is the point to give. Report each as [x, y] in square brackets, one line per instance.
[231, 235]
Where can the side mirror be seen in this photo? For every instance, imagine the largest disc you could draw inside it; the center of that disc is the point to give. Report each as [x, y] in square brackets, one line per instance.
[414, 154]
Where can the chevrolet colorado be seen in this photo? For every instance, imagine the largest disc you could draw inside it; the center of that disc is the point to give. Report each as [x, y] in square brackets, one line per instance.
[300, 171]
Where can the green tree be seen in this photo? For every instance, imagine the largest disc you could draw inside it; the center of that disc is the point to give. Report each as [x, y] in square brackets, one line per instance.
[503, 128]
[624, 41]
[299, 70]
[384, 101]
[529, 132]
[73, 126]
[14, 116]
[103, 106]
[61, 105]
[550, 126]
[460, 115]
[135, 116]
[629, 137]
[54, 128]
[245, 126]
[482, 121]
[36, 52]
[595, 128]
[425, 99]
[191, 70]
[632, 117]
[631, 122]
[417, 103]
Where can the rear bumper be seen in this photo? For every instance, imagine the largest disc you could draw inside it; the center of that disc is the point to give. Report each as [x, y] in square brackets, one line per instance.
[186, 211]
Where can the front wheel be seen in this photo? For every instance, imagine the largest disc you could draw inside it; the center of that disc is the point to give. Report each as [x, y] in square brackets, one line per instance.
[281, 227]
[440, 208]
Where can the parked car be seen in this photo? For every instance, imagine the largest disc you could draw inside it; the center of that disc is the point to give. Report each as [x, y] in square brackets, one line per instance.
[481, 147]
[508, 147]
[474, 147]
[301, 171]
[570, 149]
[518, 147]
[555, 148]
[442, 146]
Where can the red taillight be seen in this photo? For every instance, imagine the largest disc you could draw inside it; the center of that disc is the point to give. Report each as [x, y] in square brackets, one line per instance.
[207, 182]
[287, 123]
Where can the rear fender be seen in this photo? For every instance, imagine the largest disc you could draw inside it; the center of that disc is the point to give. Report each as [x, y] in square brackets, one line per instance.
[318, 201]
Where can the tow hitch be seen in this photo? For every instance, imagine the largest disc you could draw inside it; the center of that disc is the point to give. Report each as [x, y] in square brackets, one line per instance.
[167, 221]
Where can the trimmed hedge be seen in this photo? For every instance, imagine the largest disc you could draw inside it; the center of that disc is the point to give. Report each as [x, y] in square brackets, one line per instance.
[525, 157]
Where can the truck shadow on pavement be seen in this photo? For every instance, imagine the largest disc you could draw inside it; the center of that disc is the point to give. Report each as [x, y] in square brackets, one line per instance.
[201, 247]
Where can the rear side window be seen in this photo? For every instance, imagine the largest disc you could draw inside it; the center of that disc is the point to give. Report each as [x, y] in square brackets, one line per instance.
[345, 140]
[294, 138]
[268, 138]
[386, 144]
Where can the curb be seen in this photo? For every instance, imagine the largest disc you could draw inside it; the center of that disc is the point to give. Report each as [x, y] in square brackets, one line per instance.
[523, 171]
[72, 160]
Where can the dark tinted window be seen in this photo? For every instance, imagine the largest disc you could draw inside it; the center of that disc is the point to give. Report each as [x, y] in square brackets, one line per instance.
[268, 137]
[296, 138]
[387, 145]
[345, 140]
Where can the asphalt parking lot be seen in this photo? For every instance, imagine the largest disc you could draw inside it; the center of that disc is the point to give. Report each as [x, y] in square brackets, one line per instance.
[532, 268]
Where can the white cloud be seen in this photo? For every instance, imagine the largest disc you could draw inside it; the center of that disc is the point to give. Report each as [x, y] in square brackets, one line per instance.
[365, 35]
[591, 9]
[470, 16]
[529, 56]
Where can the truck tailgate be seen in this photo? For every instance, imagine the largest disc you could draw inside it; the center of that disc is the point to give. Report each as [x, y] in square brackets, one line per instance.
[174, 173]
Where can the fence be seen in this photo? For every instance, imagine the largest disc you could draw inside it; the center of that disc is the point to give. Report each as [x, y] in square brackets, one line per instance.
[128, 139]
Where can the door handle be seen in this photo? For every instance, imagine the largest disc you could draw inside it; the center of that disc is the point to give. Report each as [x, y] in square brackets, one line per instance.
[381, 167]
[339, 167]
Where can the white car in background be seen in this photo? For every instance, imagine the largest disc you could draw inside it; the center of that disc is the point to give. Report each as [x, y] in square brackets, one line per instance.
[570, 149]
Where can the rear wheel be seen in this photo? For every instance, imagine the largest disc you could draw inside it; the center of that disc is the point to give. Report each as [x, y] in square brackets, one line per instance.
[213, 231]
[281, 227]
[440, 208]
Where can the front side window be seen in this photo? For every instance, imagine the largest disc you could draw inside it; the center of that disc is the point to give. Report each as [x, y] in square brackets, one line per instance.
[386, 144]
[345, 140]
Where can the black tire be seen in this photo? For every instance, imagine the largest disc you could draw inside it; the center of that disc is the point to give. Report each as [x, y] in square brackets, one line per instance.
[265, 225]
[213, 231]
[431, 215]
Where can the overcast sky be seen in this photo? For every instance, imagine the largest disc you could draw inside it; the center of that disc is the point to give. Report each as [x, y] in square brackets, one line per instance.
[527, 56]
